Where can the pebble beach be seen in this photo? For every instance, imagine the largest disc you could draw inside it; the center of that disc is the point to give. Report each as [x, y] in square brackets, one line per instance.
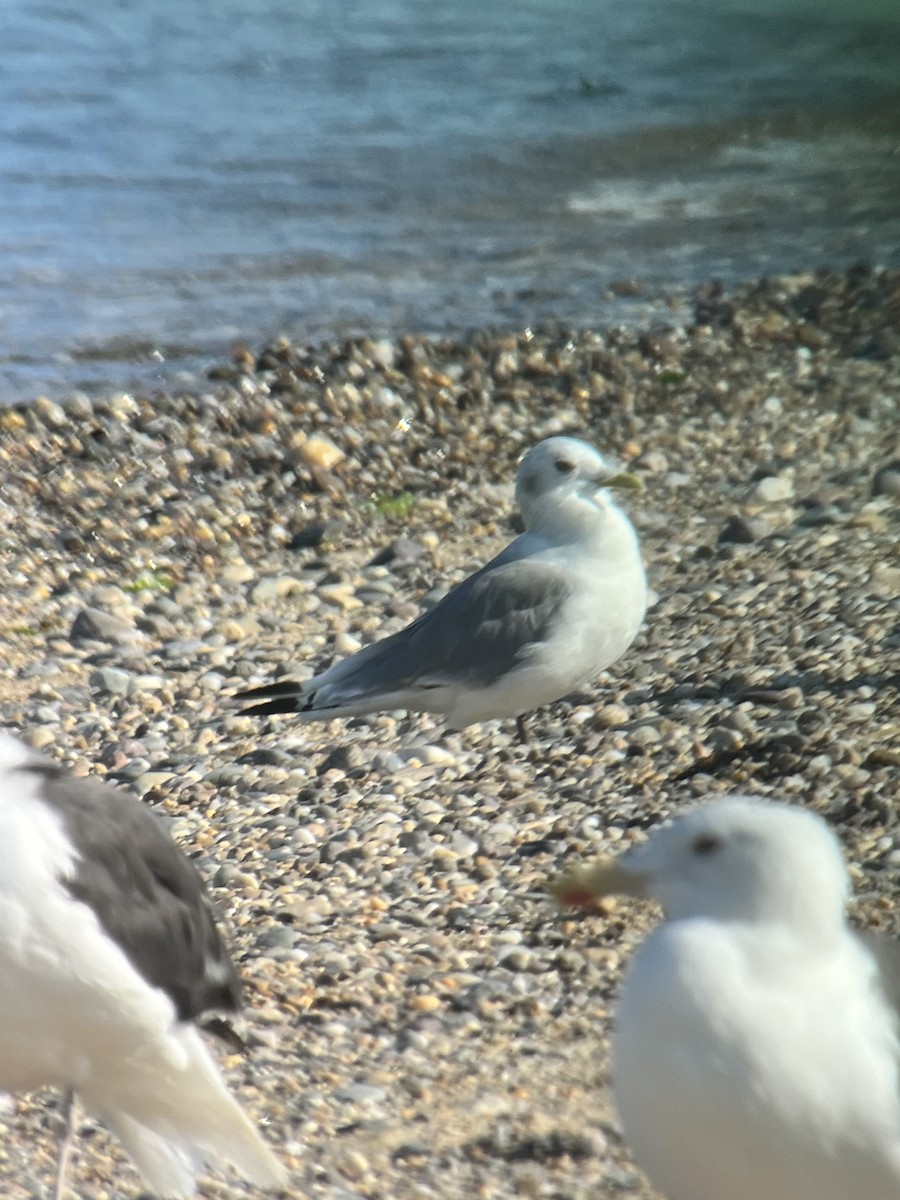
[421, 1021]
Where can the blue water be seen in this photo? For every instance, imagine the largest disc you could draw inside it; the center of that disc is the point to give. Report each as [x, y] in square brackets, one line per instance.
[178, 175]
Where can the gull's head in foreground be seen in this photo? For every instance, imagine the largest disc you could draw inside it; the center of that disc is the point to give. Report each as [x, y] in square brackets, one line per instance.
[735, 860]
[756, 1052]
[563, 482]
[110, 963]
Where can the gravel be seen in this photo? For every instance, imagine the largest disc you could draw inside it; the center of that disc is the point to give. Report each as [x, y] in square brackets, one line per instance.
[421, 1022]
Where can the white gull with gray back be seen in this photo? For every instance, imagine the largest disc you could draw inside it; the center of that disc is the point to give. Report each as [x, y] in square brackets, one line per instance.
[557, 606]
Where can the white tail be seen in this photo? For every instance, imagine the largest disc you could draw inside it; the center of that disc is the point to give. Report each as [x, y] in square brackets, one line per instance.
[173, 1119]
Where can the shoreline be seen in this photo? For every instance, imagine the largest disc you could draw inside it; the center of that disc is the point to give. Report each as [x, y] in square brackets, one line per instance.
[422, 1023]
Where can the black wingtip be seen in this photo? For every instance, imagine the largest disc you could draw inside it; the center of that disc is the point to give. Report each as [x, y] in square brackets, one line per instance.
[284, 704]
[280, 697]
[221, 1028]
[270, 691]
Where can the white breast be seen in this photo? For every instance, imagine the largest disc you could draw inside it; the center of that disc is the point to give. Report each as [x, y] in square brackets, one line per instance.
[726, 1091]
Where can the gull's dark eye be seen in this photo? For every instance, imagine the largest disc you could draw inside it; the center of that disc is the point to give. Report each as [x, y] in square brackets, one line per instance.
[564, 465]
[706, 844]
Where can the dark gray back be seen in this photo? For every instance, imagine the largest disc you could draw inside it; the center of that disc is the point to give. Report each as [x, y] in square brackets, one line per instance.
[146, 894]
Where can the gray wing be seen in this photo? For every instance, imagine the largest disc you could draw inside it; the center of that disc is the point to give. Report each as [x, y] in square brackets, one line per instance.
[479, 632]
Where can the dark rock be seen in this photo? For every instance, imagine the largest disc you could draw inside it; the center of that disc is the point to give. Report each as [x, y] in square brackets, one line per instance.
[411, 1149]
[267, 756]
[344, 758]
[162, 629]
[821, 514]
[712, 307]
[276, 938]
[112, 681]
[95, 625]
[883, 344]
[536, 1147]
[624, 287]
[887, 479]
[400, 550]
[744, 530]
[308, 537]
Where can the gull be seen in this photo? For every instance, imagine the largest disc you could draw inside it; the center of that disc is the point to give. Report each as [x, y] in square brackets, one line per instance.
[558, 605]
[756, 1052]
[110, 959]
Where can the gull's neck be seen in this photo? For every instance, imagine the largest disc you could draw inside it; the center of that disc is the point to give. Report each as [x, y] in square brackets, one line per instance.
[817, 923]
[576, 519]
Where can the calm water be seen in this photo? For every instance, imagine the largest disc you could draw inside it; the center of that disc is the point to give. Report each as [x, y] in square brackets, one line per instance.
[176, 176]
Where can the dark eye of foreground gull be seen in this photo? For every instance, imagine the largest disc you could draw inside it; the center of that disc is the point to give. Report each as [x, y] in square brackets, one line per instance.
[706, 843]
[549, 613]
[110, 959]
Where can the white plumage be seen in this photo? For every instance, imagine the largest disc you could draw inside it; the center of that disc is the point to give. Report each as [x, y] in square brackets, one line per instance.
[557, 606]
[756, 1052]
[76, 1012]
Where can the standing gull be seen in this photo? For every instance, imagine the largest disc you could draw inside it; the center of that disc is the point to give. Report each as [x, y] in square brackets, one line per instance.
[560, 603]
[109, 960]
[756, 1052]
